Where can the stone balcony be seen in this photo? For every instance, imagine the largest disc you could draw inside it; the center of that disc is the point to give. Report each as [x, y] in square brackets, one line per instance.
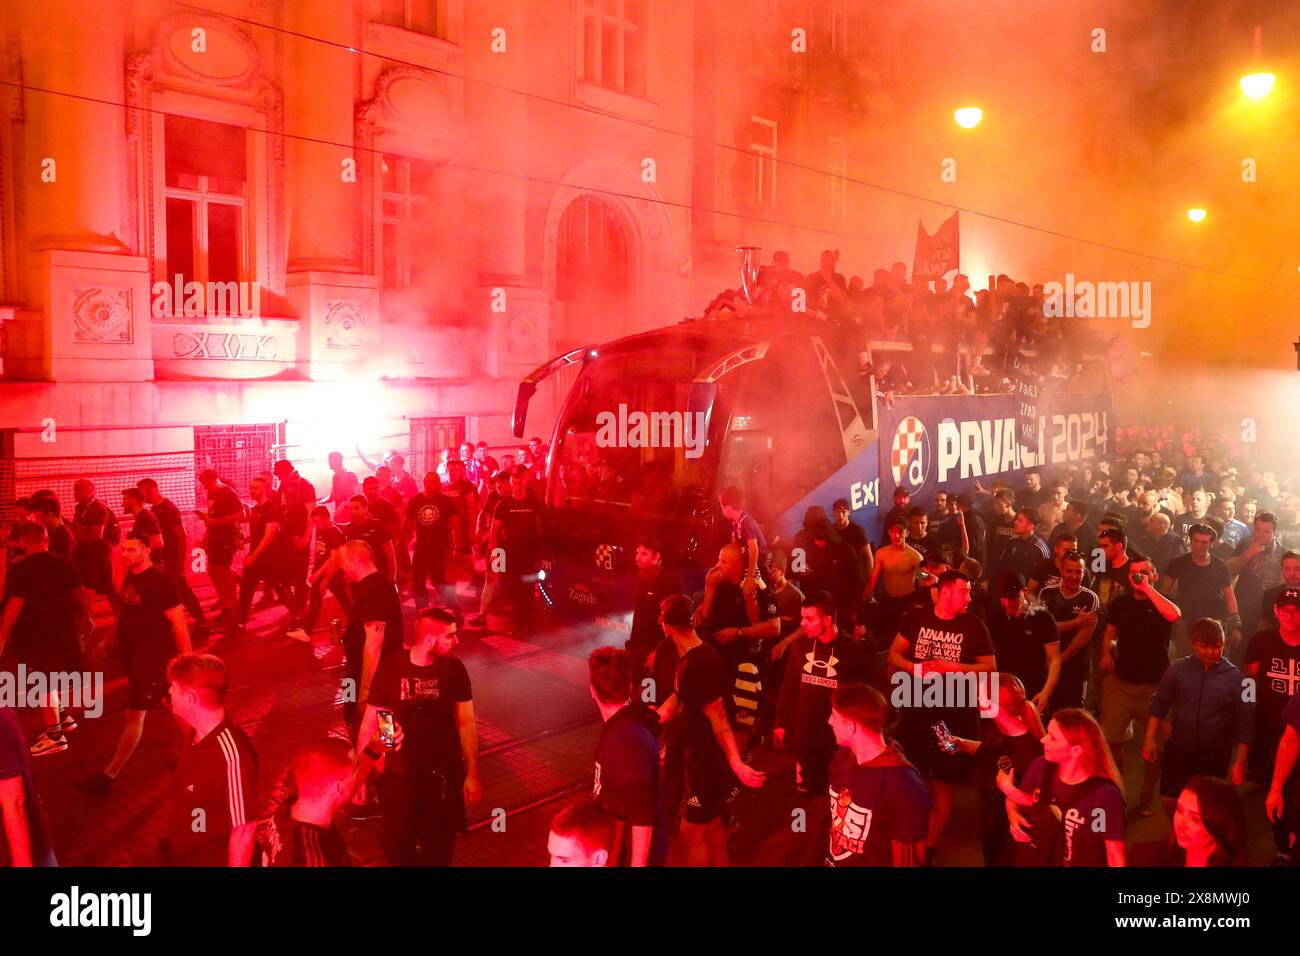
[224, 348]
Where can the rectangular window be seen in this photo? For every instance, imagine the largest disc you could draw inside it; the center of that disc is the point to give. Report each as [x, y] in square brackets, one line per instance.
[762, 143]
[404, 204]
[614, 45]
[205, 186]
[837, 163]
[420, 16]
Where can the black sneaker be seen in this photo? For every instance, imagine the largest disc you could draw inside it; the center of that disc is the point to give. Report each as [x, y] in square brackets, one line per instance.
[99, 784]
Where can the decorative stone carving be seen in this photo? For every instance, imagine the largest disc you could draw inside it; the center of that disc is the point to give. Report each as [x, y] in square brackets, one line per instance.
[244, 346]
[344, 323]
[522, 335]
[102, 316]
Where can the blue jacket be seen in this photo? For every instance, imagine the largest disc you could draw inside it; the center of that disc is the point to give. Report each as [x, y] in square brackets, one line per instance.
[1206, 706]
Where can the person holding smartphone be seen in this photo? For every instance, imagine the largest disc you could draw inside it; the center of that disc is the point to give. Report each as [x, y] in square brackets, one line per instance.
[419, 721]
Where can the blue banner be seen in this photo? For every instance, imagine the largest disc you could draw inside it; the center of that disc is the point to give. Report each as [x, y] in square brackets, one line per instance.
[932, 442]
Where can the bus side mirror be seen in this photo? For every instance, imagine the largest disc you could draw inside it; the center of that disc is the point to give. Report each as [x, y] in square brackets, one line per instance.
[525, 394]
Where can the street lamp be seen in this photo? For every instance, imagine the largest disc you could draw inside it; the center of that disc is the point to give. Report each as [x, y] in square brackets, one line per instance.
[968, 117]
[1257, 85]
[1196, 215]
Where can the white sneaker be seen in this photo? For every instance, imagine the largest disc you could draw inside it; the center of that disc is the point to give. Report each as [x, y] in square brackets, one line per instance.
[298, 634]
[45, 746]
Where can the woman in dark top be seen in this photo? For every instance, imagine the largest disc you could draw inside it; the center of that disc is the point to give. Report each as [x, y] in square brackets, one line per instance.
[1209, 829]
[1011, 733]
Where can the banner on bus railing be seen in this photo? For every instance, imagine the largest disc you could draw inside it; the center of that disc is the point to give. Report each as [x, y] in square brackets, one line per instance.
[933, 442]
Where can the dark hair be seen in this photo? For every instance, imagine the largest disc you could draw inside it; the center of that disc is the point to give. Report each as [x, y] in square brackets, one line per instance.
[135, 494]
[822, 601]
[361, 498]
[862, 704]
[950, 576]
[1207, 631]
[1266, 517]
[732, 497]
[591, 823]
[319, 511]
[916, 511]
[1223, 818]
[1115, 535]
[611, 674]
[46, 506]
[1293, 555]
[1004, 494]
[1066, 536]
[1200, 528]
[139, 536]
[440, 614]
[840, 503]
[1031, 515]
[147, 484]
[677, 611]
[207, 474]
[650, 544]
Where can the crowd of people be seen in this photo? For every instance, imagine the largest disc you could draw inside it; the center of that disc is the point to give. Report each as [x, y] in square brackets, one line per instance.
[1021, 641]
[961, 341]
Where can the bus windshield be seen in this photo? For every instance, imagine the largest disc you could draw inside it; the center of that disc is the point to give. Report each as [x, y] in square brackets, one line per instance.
[630, 458]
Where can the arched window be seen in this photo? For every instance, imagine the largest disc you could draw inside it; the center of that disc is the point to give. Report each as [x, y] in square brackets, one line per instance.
[591, 253]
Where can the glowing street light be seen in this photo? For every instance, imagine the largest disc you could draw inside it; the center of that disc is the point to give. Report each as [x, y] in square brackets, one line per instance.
[968, 117]
[1196, 215]
[1257, 85]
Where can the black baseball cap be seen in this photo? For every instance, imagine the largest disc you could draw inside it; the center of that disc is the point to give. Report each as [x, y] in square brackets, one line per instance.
[1289, 596]
[1010, 584]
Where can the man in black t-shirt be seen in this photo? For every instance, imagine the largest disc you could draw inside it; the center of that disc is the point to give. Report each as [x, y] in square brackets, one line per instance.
[430, 770]
[734, 620]
[151, 629]
[852, 533]
[296, 496]
[710, 754]
[62, 541]
[1273, 662]
[44, 607]
[820, 660]
[265, 563]
[224, 513]
[1201, 584]
[303, 832]
[627, 760]
[1134, 656]
[942, 640]
[144, 522]
[374, 631]
[1075, 609]
[653, 584]
[216, 779]
[175, 549]
[515, 549]
[96, 530]
[325, 571]
[1025, 640]
[429, 517]
[365, 527]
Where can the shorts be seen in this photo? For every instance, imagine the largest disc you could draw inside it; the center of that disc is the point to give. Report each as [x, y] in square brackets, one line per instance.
[921, 747]
[1177, 766]
[709, 782]
[146, 684]
[1124, 703]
